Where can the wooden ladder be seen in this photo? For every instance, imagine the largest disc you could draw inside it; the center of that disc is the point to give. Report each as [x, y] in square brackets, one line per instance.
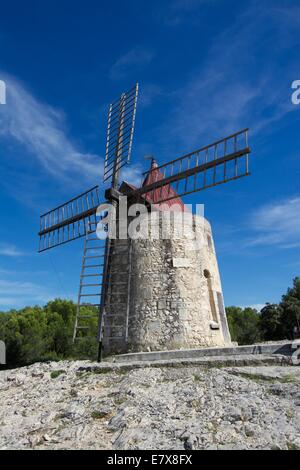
[95, 288]
[92, 281]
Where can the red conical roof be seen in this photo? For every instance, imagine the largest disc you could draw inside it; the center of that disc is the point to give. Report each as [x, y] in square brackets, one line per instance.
[156, 195]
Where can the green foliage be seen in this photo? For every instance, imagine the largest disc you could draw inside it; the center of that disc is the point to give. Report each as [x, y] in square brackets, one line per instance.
[41, 334]
[99, 414]
[56, 373]
[244, 325]
[274, 322]
[271, 322]
[282, 321]
[290, 310]
[45, 333]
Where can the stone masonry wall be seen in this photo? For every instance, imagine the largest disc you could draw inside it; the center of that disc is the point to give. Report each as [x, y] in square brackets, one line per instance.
[176, 297]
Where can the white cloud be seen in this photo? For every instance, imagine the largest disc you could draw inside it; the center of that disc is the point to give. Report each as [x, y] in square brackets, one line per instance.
[277, 224]
[149, 93]
[12, 272]
[11, 251]
[19, 293]
[39, 128]
[130, 62]
[132, 174]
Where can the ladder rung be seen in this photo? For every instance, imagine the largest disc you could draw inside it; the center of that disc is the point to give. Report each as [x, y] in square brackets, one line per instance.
[82, 327]
[93, 266]
[118, 283]
[90, 275]
[98, 256]
[119, 272]
[90, 285]
[88, 305]
[90, 295]
[117, 303]
[120, 254]
[115, 337]
[87, 316]
[95, 248]
[110, 315]
[111, 294]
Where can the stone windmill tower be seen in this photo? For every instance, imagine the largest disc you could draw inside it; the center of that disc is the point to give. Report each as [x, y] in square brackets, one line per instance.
[154, 277]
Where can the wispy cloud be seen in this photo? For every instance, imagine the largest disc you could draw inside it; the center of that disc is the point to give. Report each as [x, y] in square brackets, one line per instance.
[234, 88]
[40, 129]
[14, 273]
[28, 124]
[133, 60]
[18, 293]
[11, 251]
[178, 12]
[132, 174]
[149, 93]
[277, 224]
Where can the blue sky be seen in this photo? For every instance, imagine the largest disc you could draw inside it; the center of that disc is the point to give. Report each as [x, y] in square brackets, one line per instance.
[206, 68]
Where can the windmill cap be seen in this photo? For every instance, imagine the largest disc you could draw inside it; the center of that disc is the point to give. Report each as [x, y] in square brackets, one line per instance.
[154, 164]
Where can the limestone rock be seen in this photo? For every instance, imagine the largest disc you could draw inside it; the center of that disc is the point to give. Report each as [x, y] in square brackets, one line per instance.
[156, 408]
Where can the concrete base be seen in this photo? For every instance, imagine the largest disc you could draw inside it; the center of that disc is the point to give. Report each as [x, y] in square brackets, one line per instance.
[244, 360]
[282, 349]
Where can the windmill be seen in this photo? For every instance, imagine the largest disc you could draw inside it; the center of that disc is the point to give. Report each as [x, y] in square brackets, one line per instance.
[219, 162]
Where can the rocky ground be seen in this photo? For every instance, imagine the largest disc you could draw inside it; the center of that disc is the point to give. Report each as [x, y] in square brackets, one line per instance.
[65, 406]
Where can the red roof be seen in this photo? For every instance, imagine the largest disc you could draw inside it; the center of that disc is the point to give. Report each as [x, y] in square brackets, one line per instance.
[165, 192]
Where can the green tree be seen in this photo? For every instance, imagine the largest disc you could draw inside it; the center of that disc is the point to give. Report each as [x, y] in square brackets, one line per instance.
[36, 334]
[24, 333]
[243, 325]
[290, 308]
[271, 322]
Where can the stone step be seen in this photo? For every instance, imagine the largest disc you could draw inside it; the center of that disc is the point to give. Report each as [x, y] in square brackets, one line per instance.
[216, 361]
[256, 349]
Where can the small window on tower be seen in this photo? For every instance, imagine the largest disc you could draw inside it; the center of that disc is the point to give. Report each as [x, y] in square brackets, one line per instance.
[209, 241]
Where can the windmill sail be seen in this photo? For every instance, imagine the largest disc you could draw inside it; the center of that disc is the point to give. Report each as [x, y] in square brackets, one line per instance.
[164, 185]
[121, 121]
[217, 163]
[68, 221]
